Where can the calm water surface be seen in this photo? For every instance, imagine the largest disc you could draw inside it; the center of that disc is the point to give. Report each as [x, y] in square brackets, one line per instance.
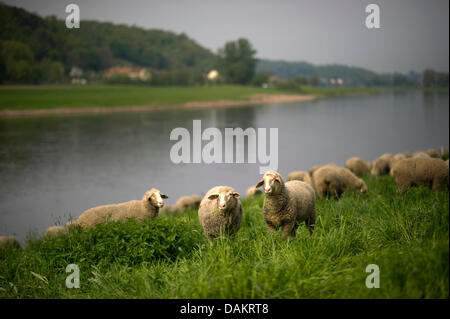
[52, 168]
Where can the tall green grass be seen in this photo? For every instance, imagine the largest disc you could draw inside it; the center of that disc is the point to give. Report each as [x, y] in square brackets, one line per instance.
[407, 236]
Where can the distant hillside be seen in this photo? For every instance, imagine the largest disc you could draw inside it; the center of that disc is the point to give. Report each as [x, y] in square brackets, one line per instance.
[97, 45]
[283, 69]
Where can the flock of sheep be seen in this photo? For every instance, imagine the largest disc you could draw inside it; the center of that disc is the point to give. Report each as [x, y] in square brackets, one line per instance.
[286, 204]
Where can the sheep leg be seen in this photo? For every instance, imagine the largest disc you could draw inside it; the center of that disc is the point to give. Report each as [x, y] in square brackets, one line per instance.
[311, 223]
[288, 230]
[272, 228]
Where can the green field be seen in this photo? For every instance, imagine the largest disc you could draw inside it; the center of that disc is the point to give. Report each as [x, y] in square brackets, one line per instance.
[51, 97]
[406, 236]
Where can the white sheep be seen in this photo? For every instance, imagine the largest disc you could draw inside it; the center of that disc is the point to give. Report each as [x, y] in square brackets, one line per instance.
[147, 208]
[8, 242]
[286, 205]
[300, 176]
[220, 212]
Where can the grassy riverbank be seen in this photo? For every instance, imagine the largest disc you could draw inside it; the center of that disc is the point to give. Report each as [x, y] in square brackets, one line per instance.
[51, 97]
[110, 96]
[406, 236]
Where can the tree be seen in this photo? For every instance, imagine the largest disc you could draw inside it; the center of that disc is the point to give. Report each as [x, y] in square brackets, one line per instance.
[236, 61]
[19, 62]
[428, 78]
[260, 78]
[442, 80]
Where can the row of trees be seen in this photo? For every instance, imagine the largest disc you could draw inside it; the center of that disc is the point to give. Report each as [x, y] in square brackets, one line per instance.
[431, 78]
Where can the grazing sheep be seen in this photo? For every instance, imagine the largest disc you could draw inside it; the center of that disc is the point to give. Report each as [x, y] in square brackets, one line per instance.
[328, 182]
[407, 154]
[300, 176]
[168, 209]
[395, 159]
[252, 191]
[313, 169]
[399, 156]
[351, 181]
[188, 203]
[431, 172]
[55, 231]
[71, 224]
[220, 212]
[420, 154]
[147, 208]
[382, 165]
[357, 166]
[286, 205]
[8, 242]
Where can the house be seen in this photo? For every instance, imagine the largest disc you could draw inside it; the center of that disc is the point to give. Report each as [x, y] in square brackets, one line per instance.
[133, 73]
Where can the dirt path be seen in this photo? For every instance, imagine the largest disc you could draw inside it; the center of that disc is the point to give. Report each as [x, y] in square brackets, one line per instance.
[254, 100]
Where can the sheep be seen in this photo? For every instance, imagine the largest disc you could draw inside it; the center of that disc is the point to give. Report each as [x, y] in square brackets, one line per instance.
[351, 181]
[8, 242]
[431, 172]
[220, 212]
[252, 191]
[395, 159]
[168, 209]
[328, 182]
[313, 169]
[188, 203]
[147, 208]
[382, 165]
[316, 167]
[71, 224]
[286, 205]
[300, 176]
[55, 231]
[420, 154]
[357, 166]
[407, 154]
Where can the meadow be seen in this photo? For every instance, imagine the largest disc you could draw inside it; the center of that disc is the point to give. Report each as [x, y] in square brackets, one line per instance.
[50, 97]
[407, 236]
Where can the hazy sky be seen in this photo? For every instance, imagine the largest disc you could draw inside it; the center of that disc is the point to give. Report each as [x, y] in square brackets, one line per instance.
[414, 34]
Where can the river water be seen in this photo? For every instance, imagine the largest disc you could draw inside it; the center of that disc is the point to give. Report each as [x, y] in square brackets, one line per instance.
[55, 167]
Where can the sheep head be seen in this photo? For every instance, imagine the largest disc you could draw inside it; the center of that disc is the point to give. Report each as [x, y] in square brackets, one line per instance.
[154, 198]
[226, 198]
[272, 181]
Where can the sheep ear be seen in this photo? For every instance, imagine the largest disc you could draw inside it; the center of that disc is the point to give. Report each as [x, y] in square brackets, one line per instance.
[236, 195]
[164, 196]
[214, 196]
[260, 183]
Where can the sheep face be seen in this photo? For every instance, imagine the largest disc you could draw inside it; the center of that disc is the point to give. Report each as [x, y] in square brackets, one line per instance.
[273, 183]
[155, 198]
[226, 199]
[363, 189]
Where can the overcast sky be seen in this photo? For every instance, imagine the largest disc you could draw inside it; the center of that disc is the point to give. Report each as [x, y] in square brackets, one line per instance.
[414, 34]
